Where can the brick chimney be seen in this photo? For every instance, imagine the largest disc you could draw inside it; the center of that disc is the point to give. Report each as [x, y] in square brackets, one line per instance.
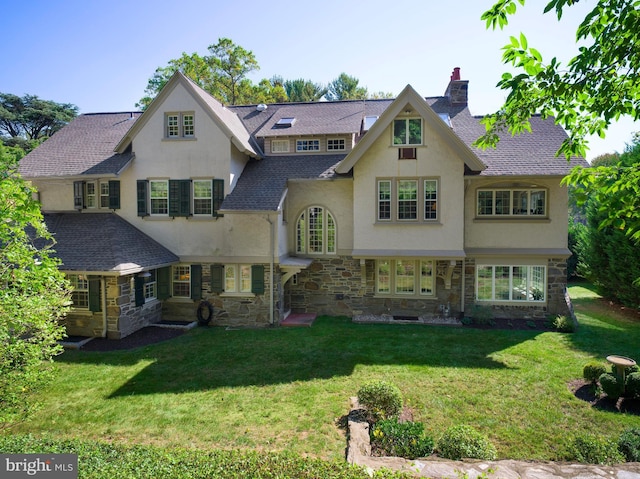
[457, 90]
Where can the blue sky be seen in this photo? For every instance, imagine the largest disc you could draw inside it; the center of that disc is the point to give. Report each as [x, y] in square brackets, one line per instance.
[100, 54]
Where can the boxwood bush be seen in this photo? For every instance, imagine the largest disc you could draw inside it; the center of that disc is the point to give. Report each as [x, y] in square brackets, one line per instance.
[403, 439]
[592, 371]
[460, 442]
[382, 400]
[611, 386]
[629, 444]
[593, 449]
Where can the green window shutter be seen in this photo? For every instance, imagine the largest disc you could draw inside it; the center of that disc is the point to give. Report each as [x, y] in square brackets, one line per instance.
[257, 279]
[179, 197]
[217, 278]
[94, 294]
[78, 195]
[163, 282]
[114, 194]
[142, 194]
[218, 195]
[196, 282]
[139, 290]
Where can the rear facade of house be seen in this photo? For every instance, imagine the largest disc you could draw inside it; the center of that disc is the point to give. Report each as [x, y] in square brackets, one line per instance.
[372, 209]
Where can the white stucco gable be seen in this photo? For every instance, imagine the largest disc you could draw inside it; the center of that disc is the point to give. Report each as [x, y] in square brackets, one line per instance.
[409, 98]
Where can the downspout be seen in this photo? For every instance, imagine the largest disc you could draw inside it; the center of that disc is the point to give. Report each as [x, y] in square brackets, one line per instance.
[463, 287]
[103, 286]
[271, 264]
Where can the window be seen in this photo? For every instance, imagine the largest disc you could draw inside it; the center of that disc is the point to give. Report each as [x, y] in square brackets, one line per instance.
[286, 122]
[510, 283]
[316, 232]
[335, 144]
[95, 194]
[405, 277]
[180, 125]
[407, 131]
[400, 200]
[237, 278]
[307, 145]
[512, 202]
[181, 281]
[90, 198]
[159, 197]
[202, 197]
[80, 293]
[279, 146]
[150, 286]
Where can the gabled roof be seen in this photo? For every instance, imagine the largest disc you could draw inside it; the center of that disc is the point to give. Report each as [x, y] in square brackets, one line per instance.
[104, 243]
[262, 183]
[225, 119]
[83, 147]
[410, 97]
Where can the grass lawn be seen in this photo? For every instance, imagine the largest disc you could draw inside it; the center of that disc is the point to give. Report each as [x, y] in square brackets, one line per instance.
[287, 388]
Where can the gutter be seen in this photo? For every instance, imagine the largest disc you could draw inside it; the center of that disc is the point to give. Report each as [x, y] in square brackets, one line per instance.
[271, 265]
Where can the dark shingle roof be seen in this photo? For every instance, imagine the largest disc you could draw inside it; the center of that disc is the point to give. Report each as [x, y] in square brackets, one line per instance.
[263, 182]
[84, 146]
[96, 242]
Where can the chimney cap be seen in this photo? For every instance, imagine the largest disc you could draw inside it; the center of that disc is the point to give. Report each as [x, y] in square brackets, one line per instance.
[456, 74]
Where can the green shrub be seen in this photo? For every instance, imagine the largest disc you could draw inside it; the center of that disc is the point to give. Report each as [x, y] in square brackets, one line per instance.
[592, 449]
[611, 386]
[629, 444]
[403, 439]
[632, 385]
[463, 441]
[592, 371]
[381, 399]
[630, 370]
[563, 324]
[482, 315]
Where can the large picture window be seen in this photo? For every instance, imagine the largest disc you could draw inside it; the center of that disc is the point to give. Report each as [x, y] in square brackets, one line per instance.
[512, 202]
[511, 283]
[405, 277]
[316, 232]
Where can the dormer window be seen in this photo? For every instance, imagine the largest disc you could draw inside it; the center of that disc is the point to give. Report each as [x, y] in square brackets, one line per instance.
[179, 125]
[407, 131]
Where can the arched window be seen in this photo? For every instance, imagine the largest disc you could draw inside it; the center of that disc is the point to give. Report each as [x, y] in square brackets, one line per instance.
[316, 232]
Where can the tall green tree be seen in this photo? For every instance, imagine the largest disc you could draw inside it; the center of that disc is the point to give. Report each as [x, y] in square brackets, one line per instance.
[304, 90]
[34, 295]
[26, 121]
[345, 87]
[231, 63]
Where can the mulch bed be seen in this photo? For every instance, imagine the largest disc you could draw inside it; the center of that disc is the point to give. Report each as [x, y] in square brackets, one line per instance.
[586, 391]
[142, 337]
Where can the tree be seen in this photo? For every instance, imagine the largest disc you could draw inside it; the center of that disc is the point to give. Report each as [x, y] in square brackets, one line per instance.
[33, 295]
[231, 63]
[596, 87]
[304, 90]
[26, 121]
[345, 87]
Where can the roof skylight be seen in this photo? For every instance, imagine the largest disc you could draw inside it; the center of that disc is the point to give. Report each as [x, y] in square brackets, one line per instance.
[446, 118]
[369, 121]
[286, 122]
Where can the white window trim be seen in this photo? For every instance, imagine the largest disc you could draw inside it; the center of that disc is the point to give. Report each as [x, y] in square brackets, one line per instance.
[511, 214]
[151, 213]
[304, 248]
[180, 281]
[236, 271]
[95, 196]
[406, 144]
[181, 126]
[307, 141]
[209, 182]
[529, 279]
[73, 279]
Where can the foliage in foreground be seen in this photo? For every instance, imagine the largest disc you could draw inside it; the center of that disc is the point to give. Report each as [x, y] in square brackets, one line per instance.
[33, 295]
[460, 442]
[113, 461]
[594, 449]
[382, 400]
[403, 439]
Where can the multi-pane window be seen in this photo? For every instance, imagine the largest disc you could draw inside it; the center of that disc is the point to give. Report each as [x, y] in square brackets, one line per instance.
[510, 283]
[279, 146]
[181, 281]
[202, 196]
[91, 195]
[512, 202]
[180, 125]
[408, 200]
[407, 131]
[104, 194]
[335, 144]
[159, 195]
[150, 286]
[316, 232]
[307, 145]
[405, 277]
[80, 293]
[237, 278]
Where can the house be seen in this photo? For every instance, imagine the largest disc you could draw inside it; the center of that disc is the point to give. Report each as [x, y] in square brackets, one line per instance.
[377, 208]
